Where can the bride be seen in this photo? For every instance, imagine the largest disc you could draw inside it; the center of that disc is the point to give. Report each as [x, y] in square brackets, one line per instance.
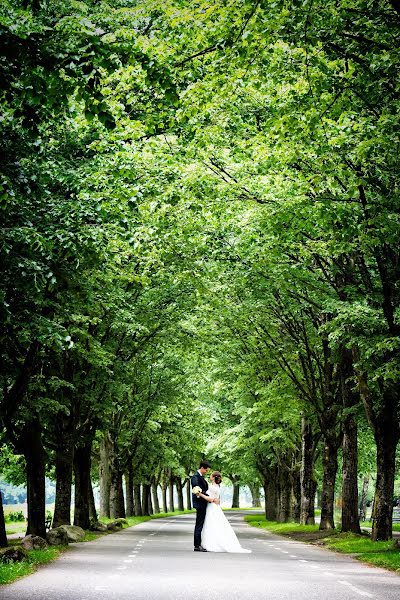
[217, 534]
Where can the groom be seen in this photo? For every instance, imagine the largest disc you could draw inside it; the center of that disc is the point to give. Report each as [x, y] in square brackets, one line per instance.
[200, 504]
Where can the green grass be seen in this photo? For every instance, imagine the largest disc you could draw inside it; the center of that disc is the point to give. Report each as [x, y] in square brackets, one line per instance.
[15, 527]
[361, 547]
[11, 571]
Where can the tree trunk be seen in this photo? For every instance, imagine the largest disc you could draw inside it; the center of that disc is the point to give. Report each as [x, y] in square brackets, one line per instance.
[386, 444]
[3, 534]
[270, 492]
[146, 499]
[92, 506]
[255, 496]
[284, 498]
[329, 464]
[188, 495]
[130, 504]
[164, 496]
[64, 469]
[35, 477]
[105, 476]
[179, 490]
[235, 497]
[171, 507]
[350, 514]
[295, 496]
[117, 505]
[307, 477]
[156, 504]
[363, 499]
[82, 480]
[137, 500]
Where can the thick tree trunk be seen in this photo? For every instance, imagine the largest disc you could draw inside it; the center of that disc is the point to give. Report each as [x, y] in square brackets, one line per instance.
[330, 466]
[164, 496]
[363, 499]
[137, 500]
[64, 469]
[179, 490]
[105, 476]
[130, 504]
[284, 498]
[146, 499]
[3, 534]
[35, 476]
[255, 496]
[350, 514]
[270, 499]
[307, 477]
[82, 480]
[156, 504]
[235, 497]
[92, 506]
[386, 444]
[171, 506]
[117, 504]
[295, 496]
[188, 495]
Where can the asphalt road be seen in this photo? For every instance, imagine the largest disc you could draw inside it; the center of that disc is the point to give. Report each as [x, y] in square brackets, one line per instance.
[155, 561]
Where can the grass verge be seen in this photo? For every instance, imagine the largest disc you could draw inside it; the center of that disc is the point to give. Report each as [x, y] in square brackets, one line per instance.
[10, 571]
[361, 547]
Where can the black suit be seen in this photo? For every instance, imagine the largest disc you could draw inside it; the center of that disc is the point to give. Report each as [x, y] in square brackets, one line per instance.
[200, 505]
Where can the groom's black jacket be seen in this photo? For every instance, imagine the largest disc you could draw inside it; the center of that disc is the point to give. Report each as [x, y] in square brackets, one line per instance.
[199, 480]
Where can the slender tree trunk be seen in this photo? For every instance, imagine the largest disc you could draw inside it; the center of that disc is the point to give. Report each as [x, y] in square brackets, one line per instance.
[35, 476]
[3, 534]
[363, 500]
[235, 497]
[295, 496]
[179, 490]
[188, 495]
[171, 506]
[151, 509]
[383, 501]
[130, 504]
[137, 500]
[164, 496]
[82, 479]
[92, 506]
[255, 496]
[105, 476]
[64, 469]
[307, 477]
[284, 499]
[146, 498]
[156, 504]
[330, 466]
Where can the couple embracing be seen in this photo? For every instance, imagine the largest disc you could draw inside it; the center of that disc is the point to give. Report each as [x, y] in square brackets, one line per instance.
[212, 532]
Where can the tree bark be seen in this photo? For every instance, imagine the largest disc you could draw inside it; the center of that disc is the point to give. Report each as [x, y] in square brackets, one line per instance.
[35, 477]
[92, 506]
[117, 504]
[363, 500]
[64, 469]
[307, 478]
[284, 498]
[255, 496]
[3, 534]
[235, 497]
[156, 504]
[330, 466]
[270, 498]
[82, 479]
[188, 495]
[137, 500]
[171, 506]
[164, 488]
[105, 476]
[179, 490]
[130, 504]
[386, 444]
[146, 499]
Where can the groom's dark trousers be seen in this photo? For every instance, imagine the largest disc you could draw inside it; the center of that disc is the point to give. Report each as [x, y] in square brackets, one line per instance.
[200, 505]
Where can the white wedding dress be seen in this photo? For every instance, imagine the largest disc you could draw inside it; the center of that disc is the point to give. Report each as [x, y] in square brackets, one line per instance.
[217, 534]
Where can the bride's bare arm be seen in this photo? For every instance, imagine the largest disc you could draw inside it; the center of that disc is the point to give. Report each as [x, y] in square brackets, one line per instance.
[208, 499]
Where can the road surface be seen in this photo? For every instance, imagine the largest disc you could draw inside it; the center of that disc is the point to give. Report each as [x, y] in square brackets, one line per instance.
[155, 561]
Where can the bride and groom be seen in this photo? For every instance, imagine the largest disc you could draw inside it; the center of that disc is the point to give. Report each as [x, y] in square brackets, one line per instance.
[212, 532]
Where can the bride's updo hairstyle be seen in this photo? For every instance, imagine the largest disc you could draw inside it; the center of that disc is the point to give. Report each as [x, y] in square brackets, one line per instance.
[217, 477]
